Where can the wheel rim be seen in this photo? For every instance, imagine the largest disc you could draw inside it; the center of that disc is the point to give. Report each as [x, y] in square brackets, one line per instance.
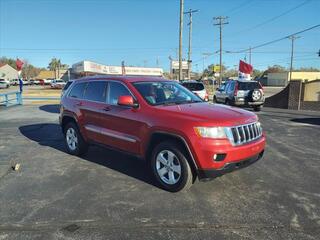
[168, 167]
[72, 139]
[256, 95]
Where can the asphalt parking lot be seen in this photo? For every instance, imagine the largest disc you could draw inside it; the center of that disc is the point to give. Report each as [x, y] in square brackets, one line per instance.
[108, 195]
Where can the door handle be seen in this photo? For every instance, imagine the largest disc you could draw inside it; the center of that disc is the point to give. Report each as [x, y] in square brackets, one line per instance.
[106, 109]
[79, 104]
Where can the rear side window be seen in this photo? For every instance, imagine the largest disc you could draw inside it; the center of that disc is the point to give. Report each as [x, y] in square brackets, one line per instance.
[96, 91]
[194, 86]
[231, 86]
[248, 85]
[115, 91]
[78, 90]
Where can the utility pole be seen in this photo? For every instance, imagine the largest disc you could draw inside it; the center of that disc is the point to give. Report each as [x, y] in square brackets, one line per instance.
[220, 22]
[292, 38]
[250, 55]
[205, 56]
[180, 39]
[190, 12]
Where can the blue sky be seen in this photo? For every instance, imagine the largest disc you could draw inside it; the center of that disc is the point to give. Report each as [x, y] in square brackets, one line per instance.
[142, 31]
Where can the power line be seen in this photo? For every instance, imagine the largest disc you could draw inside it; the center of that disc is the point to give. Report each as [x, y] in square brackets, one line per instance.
[276, 52]
[274, 41]
[235, 9]
[274, 18]
[284, 60]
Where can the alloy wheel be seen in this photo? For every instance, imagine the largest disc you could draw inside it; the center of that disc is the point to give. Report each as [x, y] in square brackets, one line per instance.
[168, 167]
[72, 139]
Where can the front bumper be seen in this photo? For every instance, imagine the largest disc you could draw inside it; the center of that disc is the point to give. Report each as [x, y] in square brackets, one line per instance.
[246, 103]
[228, 167]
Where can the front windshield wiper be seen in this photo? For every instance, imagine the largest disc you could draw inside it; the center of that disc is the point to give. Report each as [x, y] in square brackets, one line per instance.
[180, 102]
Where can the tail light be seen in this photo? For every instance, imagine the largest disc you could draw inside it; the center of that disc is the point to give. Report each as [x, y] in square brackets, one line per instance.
[236, 88]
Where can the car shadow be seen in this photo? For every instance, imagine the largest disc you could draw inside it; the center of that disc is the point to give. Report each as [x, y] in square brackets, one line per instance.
[50, 134]
[313, 121]
[50, 108]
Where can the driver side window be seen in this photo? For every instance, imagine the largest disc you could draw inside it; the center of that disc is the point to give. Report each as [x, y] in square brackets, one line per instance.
[115, 90]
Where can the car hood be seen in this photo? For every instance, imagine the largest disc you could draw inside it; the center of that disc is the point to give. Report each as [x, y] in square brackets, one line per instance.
[213, 114]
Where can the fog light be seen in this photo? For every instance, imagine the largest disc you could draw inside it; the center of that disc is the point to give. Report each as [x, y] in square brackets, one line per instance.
[219, 157]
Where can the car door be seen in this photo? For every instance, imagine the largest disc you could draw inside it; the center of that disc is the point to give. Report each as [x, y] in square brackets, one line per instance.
[220, 92]
[230, 90]
[93, 105]
[122, 126]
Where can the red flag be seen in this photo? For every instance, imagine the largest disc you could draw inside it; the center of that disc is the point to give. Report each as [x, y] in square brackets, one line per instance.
[19, 64]
[245, 67]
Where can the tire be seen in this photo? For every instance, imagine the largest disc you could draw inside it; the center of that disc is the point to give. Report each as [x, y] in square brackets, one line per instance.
[227, 102]
[255, 95]
[79, 148]
[215, 99]
[257, 108]
[171, 180]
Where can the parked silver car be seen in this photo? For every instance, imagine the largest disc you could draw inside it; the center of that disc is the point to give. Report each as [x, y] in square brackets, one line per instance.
[4, 83]
[241, 93]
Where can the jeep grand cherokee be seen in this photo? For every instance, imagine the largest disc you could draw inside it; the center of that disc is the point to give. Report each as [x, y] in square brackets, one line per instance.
[180, 136]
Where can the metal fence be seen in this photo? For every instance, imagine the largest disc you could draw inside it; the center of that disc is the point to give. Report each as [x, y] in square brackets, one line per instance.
[11, 98]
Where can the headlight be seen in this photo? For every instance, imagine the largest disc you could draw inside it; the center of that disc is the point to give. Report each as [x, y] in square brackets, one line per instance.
[259, 126]
[210, 132]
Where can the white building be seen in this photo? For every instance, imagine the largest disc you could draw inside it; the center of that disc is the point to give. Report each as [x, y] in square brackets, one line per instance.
[86, 68]
[283, 78]
[8, 73]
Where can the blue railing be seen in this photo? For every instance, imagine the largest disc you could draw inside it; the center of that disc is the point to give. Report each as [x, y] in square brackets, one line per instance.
[11, 98]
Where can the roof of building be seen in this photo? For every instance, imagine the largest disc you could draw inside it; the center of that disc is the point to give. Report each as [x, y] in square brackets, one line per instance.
[124, 78]
[7, 65]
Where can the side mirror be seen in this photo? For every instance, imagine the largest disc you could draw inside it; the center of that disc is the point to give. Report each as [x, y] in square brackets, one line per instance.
[127, 101]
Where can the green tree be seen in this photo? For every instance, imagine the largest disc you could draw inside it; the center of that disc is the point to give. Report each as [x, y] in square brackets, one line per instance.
[56, 65]
[307, 69]
[10, 61]
[29, 71]
[275, 69]
[53, 66]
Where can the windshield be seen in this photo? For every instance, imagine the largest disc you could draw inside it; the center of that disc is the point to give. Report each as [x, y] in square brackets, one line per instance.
[249, 85]
[165, 93]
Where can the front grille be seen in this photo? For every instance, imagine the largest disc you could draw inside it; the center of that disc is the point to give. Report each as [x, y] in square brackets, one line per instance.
[242, 134]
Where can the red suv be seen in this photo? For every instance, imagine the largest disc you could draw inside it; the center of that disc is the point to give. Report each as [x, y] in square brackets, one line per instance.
[180, 136]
